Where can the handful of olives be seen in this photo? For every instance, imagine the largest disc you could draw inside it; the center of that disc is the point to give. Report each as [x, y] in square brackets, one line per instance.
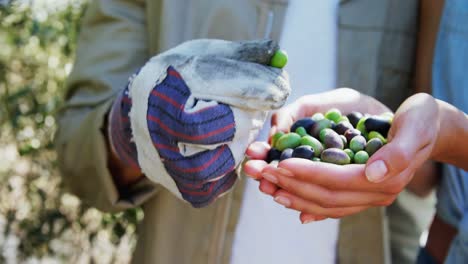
[332, 137]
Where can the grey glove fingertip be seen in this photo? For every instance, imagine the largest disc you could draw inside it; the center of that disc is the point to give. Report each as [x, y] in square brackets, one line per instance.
[258, 51]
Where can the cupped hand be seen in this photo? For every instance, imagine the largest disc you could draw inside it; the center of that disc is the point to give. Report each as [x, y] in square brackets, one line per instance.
[321, 190]
[346, 100]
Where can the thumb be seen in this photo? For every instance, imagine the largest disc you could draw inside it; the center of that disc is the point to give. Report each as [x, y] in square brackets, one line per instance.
[411, 139]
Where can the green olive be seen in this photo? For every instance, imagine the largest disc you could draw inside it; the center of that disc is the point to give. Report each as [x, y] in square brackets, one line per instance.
[361, 127]
[275, 138]
[333, 115]
[345, 141]
[373, 145]
[317, 117]
[290, 140]
[350, 154]
[279, 59]
[375, 134]
[357, 143]
[361, 157]
[301, 131]
[314, 143]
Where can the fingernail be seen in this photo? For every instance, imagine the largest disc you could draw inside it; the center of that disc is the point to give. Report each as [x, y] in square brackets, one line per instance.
[270, 177]
[283, 201]
[248, 175]
[376, 171]
[308, 219]
[284, 172]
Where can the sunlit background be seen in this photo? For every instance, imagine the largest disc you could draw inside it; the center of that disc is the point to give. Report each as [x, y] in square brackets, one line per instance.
[39, 221]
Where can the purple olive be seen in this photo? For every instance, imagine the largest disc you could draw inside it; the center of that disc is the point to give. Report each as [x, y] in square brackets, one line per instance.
[306, 123]
[335, 156]
[304, 152]
[354, 118]
[273, 154]
[286, 154]
[350, 133]
[342, 127]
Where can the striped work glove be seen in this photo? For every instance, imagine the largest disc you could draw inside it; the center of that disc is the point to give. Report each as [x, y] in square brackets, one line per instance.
[186, 118]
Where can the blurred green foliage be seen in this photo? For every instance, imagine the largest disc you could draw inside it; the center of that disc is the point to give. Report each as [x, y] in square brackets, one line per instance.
[38, 220]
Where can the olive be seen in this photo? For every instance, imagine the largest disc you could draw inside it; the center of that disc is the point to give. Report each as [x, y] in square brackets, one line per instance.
[304, 152]
[350, 133]
[333, 115]
[318, 126]
[373, 145]
[275, 138]
[323, 132]
[336, 156]
[357, 143]
[279, 59]
[290, 140]
[342, 127]
[301, 131]
[286, 154]
[361, 157]
[306, 123]
[345, 141]
[375, 134]
[332, 140]
[318, 116]
[354, 118]
[378, 124]
[343, 118]
[315, 159]
[350, 154]
[314, 143]
[388, 116]
[273, 154]
[361, 127]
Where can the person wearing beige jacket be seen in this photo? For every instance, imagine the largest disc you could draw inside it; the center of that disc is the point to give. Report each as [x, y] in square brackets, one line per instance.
[375, 55]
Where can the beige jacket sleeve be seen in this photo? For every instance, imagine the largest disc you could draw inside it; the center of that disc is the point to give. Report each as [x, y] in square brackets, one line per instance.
[112, 45]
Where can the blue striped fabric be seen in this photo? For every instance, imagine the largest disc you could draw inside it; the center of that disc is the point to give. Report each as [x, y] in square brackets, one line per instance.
[121, 131]
[205, 175]
[201, 177]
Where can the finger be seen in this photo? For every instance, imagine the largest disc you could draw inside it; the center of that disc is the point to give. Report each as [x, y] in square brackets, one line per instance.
[308, 218]
[253, 168]
[345, 99]
[331, 176]
[334, 177]
[283, 118]
[242, 84]
[410, 141]
[267, 187]
[258, 150]
[329, 198]
[258, 51]
[293, 202]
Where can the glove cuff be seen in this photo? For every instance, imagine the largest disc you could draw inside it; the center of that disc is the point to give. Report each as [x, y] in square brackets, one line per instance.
[120, 132]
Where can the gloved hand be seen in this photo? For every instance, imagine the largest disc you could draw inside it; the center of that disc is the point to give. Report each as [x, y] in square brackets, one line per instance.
[187, 117]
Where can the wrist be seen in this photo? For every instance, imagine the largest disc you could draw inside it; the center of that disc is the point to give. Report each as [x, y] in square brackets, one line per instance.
[122, 161]
[452, 134]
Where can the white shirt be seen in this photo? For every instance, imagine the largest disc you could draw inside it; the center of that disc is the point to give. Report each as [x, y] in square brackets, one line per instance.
[266, 231]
